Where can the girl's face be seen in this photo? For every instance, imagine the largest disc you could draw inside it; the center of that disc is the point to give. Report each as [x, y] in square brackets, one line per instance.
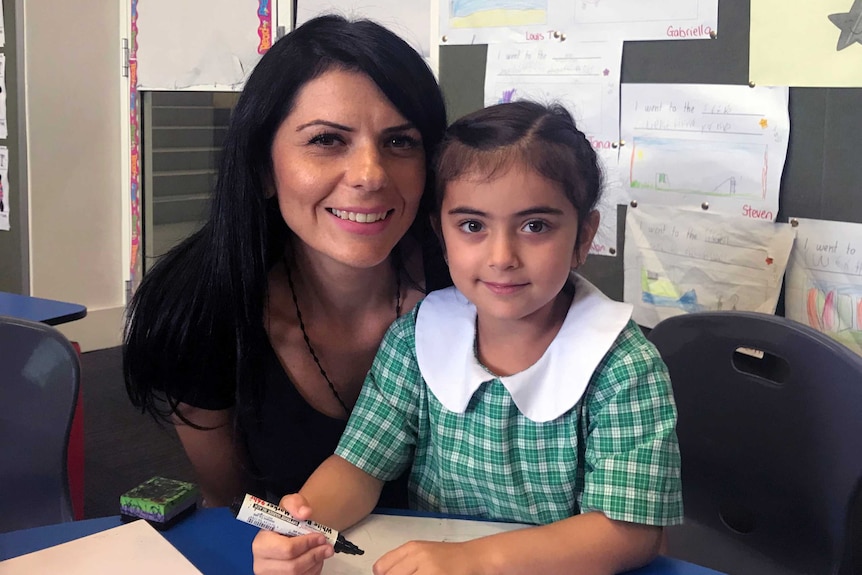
[349, 169]
[510, 242]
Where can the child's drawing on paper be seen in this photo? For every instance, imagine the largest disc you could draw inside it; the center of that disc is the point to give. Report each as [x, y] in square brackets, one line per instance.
[654, 164]
[497, 13]
[660, 291]
[823, 287]
[837, 312]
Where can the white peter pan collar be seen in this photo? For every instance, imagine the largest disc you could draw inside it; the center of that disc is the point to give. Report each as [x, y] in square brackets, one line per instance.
[445, 336]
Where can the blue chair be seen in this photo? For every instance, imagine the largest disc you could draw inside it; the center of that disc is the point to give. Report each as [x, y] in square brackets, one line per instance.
[771, 446]
[39, 379]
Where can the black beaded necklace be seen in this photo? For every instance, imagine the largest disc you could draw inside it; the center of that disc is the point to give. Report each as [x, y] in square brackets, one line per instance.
[308, 340]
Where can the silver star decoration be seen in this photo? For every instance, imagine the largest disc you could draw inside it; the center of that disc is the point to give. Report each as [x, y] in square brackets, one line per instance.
[850, 24]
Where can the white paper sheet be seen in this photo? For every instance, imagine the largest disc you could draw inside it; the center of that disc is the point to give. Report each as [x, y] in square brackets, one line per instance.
[4, 130]
[824, 280]
[582, 76]
[132, 549]
[683, 261]
[5, 190]
[378, 534]
[411, 19]
[200, 44]
[490, 21]
[2, 27]
[689, 144]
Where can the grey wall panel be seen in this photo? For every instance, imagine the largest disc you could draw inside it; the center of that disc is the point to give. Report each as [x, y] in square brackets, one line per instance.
[841, 193]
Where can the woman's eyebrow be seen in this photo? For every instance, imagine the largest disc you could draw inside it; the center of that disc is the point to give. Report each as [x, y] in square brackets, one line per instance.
[327, 123]
[400, 128]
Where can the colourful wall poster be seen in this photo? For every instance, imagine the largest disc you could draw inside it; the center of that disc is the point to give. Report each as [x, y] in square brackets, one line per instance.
[824, 280]
[492, 21]
[714, 146]
[805, 43]
[681, 261]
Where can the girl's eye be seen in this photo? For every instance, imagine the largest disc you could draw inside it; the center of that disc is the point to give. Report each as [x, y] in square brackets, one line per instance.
[535, 227]
[325, 140]
[471, 227]
[402, 141]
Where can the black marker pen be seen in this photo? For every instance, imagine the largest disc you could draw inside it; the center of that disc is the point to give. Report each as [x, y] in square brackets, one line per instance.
[265, 515]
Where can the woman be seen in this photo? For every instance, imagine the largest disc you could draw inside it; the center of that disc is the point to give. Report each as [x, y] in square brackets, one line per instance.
[254, 335]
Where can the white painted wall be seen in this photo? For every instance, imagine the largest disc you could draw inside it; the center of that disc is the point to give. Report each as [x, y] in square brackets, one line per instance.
[73, 99]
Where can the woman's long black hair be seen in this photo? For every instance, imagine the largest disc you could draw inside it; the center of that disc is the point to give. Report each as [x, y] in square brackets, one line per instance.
[194, 327]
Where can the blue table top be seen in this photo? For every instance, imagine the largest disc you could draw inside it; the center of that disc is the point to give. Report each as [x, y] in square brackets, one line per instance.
[218, 544]
[39, 309]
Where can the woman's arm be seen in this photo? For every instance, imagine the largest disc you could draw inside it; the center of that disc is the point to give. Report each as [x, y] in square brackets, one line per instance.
[587, 544]
[213, 452]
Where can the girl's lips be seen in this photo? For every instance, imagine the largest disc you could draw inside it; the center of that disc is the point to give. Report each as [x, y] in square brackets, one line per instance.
[504, 288]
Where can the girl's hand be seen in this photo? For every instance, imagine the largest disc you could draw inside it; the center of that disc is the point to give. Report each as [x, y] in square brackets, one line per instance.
[429, 558]
[276, 554]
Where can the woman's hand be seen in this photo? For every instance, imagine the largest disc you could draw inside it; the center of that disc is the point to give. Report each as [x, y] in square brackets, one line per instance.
[430, 558]
[276, 554]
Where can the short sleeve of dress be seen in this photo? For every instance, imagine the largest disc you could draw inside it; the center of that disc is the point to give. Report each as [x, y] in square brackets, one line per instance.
[632, 455]
[380, 437]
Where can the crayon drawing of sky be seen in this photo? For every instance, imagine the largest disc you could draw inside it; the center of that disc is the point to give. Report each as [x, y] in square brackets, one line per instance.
[461, 8]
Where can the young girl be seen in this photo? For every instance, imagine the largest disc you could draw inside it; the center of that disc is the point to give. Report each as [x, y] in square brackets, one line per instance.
[522, 393]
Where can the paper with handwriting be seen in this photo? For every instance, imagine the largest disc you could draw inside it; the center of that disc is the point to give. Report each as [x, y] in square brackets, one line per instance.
[584, 77]
[680, 261]
[706, 146]
[824, 280]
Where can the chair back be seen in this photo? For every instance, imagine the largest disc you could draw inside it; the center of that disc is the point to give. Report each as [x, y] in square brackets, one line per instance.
[770, 446]
[39, 378]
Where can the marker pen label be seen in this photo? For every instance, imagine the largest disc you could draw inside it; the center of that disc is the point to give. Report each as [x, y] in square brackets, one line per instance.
[263, 514]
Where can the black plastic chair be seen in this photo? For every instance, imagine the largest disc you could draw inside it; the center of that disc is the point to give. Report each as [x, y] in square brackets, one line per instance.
[39, 379]
[771, 447]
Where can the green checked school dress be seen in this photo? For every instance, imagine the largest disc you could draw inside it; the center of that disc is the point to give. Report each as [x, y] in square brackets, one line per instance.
[589, 427]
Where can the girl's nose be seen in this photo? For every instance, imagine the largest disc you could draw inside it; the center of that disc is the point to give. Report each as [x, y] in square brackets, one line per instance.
[365, 169]
[504, 254]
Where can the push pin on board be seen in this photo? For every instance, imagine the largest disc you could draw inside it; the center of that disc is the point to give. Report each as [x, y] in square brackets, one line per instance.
[704, 206]
[633, 203]
[612, 251]
[794, 222]
[751, 83]
[713, 34]
[445, 38]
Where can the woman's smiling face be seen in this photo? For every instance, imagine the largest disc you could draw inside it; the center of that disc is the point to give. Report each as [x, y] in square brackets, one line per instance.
[349, 169]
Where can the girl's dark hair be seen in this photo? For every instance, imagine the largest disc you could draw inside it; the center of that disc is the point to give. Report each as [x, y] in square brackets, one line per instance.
[196, 321]
[488, 142]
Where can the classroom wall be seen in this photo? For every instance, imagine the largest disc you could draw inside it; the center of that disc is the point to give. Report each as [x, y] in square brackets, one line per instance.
[73, 123]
